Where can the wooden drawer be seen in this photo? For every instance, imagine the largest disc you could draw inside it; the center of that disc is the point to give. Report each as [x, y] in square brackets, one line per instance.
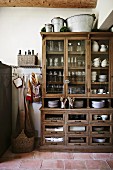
[74, 140]
[78, 116]
[53, 128]
[96, 116]
[102, 140]
[53, 116]
[77, 128]
[101, 128]
[53, 139]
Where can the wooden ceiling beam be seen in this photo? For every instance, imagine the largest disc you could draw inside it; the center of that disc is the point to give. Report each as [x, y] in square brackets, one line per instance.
[49, 3]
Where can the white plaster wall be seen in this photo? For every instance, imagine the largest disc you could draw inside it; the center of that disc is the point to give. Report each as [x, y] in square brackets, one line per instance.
[104, 8]
[20, 29]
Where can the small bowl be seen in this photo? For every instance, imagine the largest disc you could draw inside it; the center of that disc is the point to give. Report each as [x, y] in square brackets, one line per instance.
[99, 140]
[98, 128]
[102, 76]
[98, 104]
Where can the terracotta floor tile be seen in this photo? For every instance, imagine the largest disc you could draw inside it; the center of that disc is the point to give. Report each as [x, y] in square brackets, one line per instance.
[83, 156]
[31, 164]
[75, 164]
[9, 155]
[111, 155]
[43, 155]
[110, 163]
[52, 164]
[102, 156]
[63, 155]
[9, 164]
[97, 164]
[37, 160]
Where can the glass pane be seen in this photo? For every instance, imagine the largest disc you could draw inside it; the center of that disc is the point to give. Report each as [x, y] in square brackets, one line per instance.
[54, 66]
[76, 66]
[100, 67]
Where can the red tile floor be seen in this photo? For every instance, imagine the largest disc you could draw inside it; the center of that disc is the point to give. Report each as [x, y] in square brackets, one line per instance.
[40, 160]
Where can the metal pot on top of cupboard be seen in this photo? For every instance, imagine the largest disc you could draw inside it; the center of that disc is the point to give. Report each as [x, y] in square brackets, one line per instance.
[49, 27]
[57, 23]
[80, 23]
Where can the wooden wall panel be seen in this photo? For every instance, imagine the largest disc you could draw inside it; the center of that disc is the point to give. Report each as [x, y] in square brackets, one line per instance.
[49, 3]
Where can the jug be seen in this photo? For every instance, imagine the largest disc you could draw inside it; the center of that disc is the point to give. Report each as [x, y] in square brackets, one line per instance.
[104, 63]
[95, 46]
[103, 48]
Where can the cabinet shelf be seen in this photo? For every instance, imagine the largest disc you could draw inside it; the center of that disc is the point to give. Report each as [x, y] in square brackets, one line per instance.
[98, 83]
[76, 68]
[55, 52]
[54, 67]
[76, 53]
[77, 82]
[100, 53]
[58, 82]
[99, 68]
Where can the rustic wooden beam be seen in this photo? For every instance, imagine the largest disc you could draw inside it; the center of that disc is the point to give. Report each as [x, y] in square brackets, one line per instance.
[49, 3]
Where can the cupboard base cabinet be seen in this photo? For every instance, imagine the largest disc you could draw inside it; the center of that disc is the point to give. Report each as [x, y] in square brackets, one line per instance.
[77, 92]
[77, 130]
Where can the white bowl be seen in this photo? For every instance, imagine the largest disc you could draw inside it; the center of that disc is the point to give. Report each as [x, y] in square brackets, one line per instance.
[102, 76]
[98, 128]
[98, 104]
[99, 140]
[102, 80]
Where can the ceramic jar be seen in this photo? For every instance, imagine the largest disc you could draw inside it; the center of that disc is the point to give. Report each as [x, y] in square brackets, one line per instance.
[95, 46]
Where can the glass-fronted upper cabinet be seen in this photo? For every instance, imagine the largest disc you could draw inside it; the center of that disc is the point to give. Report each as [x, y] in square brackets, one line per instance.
[76, 71]
[100, 67]
[54, 66]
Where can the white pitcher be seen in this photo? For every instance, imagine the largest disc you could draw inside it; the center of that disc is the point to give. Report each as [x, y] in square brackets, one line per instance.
[103, 48]
[95, 46]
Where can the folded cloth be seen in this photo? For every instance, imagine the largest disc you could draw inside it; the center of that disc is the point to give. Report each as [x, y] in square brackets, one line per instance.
[36, 91]
[29, 92]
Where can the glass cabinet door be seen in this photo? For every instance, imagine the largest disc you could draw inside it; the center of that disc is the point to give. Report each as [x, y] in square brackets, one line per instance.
[76, 67]
[100, 70]
[54, 66]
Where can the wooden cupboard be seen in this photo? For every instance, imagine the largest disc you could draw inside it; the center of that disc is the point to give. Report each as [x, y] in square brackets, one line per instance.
[77, 91]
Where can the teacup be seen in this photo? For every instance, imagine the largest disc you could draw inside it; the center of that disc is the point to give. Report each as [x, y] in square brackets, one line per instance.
[94, 73]
[101, 91]
[93, 78]
[94, 91]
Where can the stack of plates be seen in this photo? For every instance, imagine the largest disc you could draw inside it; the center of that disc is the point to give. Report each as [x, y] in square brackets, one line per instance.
[53, 103]
[77, 128]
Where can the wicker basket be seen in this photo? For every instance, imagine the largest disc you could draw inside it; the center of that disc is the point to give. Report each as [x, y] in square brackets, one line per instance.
[22, 143]
[27, 60]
